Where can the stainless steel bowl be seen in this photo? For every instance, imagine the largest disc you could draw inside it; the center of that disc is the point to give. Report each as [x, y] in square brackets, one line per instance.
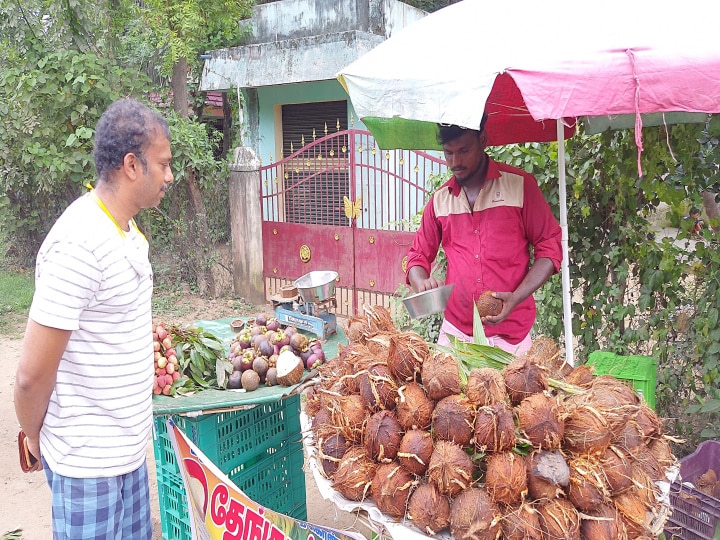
[426, 303]
[316, 286]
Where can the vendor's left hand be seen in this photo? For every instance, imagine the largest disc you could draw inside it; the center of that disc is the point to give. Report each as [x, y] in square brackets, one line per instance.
[508, 306]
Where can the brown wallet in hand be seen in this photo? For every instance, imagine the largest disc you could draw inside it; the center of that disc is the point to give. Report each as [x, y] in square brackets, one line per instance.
[27, 460]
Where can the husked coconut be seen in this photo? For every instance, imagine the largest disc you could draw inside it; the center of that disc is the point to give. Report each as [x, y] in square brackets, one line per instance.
[521, 522]
[474, 516]
[349, 415]
[416, 447]
[506, 477]
[586, 429]
[494, 428]
[378, 389]
[523, 377]
[450, 468]
[330, 450]
[548, 475]
[559, 520]
[414, 409]
[383, 434]
[429, 509]
[406, 355]
[485, 386]
[587, 488]
[580, 375]
[617, 469]
[547, 353]
[602, 523]
[539, 418]
[391, 488]
[441, 375]
[487, 305]
[453, 420]
[355, 474]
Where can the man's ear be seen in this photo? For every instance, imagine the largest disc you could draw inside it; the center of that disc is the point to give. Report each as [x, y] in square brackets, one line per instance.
[483, 138]
[131, 165]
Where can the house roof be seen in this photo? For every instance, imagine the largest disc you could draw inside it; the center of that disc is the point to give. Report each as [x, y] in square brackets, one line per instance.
[295, 41]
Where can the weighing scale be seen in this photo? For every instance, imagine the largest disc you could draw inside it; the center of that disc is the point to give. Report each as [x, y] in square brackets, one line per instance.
[312, 308]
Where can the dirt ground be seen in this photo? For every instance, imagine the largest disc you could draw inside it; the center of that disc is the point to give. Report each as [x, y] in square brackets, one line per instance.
[25, 498]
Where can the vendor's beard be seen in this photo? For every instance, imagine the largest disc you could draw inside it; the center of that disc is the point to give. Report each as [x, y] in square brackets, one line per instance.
[462, 180]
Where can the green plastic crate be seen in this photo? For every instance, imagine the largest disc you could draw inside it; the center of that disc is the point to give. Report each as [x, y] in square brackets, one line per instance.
[259, 449]
[640, 372]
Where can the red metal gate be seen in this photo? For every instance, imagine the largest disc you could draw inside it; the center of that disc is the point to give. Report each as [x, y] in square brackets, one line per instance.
[341, 203]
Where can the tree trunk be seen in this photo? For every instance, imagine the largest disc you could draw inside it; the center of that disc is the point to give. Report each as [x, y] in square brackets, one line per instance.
[179, 88]
[712, 210]
[205, 278]
[204, 251]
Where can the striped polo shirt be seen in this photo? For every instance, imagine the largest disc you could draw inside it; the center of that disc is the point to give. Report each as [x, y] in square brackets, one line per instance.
[97, 282]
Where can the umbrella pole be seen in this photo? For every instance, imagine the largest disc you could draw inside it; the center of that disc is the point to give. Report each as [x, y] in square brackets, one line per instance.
[564, 266]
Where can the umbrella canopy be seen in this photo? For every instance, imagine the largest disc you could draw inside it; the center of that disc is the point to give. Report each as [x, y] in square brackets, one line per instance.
[529, 63]
[535, 67]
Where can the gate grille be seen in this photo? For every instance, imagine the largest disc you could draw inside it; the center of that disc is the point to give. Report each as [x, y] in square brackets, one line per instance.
[341, 203]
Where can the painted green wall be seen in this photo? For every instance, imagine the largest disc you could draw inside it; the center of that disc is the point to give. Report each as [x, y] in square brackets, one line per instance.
[270, 96]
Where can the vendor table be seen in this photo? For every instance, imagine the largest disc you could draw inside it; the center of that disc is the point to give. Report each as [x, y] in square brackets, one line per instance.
[255, 438]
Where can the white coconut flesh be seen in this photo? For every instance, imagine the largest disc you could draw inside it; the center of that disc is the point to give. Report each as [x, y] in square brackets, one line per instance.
[289, 368]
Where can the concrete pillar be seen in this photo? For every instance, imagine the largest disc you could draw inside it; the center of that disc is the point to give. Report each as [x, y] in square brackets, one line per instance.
[246, 226]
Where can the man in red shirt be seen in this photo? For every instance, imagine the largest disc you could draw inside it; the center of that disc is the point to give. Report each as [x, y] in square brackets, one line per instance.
[487, 217]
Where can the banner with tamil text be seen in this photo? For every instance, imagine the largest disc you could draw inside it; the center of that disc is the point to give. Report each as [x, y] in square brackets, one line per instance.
[219, 510]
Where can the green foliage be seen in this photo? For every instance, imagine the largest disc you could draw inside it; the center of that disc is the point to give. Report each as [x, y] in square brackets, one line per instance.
[633, 294]
[49, 104]
[186, 28]
[202, 360]
[16, 291]
[171, 228]
[430, 5]
[427, 327]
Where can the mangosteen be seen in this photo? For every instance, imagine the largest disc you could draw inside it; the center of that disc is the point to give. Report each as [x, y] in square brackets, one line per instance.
[299, 342]
[234, 380]
[261, 319]
[244, 339]
[272, 323]
[265, 348]
[260, 366]
[247, 360]
[237, 362]
[313, 361]
[271, 377]
[250, 380]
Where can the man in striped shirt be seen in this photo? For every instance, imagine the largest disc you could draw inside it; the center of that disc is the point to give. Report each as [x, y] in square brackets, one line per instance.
[487, 217]
[83, 392]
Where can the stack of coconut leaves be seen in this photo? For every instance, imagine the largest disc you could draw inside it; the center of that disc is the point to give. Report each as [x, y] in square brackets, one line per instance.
[480, 444]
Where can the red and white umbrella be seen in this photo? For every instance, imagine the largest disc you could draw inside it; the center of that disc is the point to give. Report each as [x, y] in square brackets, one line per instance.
[535, 67]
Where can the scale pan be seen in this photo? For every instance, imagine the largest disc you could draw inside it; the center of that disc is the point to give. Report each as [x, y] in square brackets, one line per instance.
[316, 286]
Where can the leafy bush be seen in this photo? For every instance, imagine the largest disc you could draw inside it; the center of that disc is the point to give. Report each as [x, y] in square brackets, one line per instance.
[50, 101]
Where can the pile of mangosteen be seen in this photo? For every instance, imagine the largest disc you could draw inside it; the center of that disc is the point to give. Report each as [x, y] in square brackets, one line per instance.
[266, 352]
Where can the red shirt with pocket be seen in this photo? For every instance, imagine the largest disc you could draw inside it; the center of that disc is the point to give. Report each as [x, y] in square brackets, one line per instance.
[488, 246]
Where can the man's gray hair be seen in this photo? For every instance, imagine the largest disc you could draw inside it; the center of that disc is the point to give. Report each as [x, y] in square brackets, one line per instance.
[125, 127]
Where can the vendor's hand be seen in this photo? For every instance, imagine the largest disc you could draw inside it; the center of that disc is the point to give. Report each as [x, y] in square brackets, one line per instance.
[427, 284]
[508, 304]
